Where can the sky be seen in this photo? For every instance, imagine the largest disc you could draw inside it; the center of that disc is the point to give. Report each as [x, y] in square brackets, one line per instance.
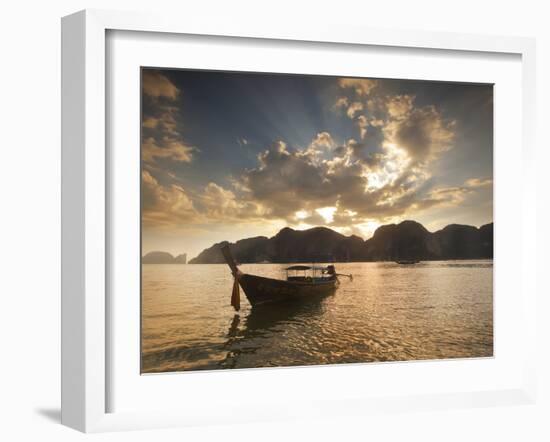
[231, 155]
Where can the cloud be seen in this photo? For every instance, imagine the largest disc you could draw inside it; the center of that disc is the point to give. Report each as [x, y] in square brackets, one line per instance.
[395, 121]
[312, 218]
[161, 120]
[444, 196]
[157, 85]
[361, 183]
[169, 148]
[288, 180]
[222, 204]
[323, 140]
[355, 151]
[150, 123]
[284, 179]
[242, 141]
[400, 106]
[421, 132]
[361, 86]
[305, 187]
[169, 205]
[354, 108]
[479, 182]
[453, 195]
[164, 205]
[383, 173]
[362, 123]
[341, 102]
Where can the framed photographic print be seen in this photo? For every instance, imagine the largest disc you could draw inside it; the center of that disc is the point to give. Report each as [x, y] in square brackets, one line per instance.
[321, 183]
[280, 209]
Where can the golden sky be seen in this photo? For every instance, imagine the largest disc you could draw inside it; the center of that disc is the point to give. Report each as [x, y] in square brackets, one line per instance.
[227, 156]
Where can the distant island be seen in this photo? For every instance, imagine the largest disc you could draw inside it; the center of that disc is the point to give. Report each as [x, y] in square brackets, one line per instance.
[163, 258]
[408, 240]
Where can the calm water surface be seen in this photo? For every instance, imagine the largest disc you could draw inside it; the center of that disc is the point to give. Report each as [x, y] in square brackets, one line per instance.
[390, 312]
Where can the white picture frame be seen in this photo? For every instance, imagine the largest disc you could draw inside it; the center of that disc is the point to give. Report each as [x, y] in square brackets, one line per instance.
[86, 208]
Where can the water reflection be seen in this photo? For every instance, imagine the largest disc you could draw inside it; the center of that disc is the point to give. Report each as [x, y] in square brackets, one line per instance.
[234, 327]
[389, 312]
[266, 317]
[264, 320]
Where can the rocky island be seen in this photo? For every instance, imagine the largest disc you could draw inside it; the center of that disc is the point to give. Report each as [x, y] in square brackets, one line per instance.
[408, 240]
[163, 258]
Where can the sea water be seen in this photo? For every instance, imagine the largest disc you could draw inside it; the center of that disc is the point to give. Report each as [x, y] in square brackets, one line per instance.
[388, 312]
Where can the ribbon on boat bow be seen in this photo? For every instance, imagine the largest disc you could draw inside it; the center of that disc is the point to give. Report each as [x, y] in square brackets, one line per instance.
[236, 293]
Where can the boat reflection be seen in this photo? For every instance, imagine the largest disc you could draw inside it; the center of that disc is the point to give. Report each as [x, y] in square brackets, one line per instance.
[263, 318]
[246, 335]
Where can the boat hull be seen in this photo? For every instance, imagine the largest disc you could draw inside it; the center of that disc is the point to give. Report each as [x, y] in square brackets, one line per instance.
[260, 290]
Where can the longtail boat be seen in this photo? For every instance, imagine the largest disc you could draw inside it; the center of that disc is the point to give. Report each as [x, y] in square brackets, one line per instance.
[262, 290]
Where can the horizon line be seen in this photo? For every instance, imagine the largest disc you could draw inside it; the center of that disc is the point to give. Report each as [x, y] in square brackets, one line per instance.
[326, 227]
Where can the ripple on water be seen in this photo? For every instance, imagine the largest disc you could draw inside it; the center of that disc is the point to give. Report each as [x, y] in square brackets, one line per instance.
[388, 313]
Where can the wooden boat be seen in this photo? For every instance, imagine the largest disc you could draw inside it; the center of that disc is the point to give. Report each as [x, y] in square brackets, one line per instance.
[262, 290]
[407, 261]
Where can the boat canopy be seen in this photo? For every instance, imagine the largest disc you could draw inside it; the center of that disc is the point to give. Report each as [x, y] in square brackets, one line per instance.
[302, 267]
[298, 267]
